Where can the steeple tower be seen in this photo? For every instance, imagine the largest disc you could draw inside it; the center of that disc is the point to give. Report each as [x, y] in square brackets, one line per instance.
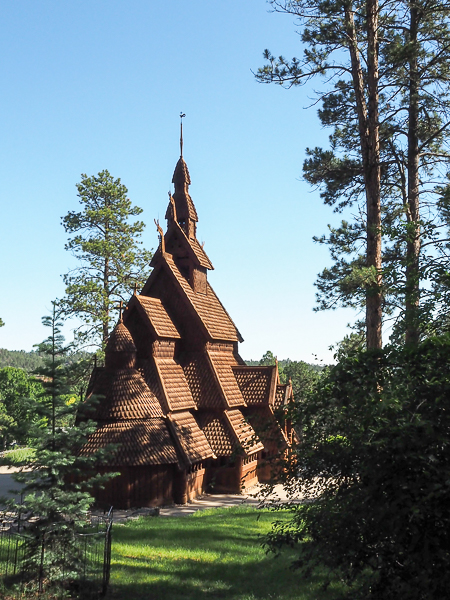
[186, 214]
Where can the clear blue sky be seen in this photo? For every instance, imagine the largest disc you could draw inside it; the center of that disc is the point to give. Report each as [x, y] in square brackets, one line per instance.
[99, 84]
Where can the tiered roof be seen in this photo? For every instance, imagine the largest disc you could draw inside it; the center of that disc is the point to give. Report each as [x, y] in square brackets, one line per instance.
[190, 438]
[206, 308]
[157, 316]
[135, 443]
[174, 388]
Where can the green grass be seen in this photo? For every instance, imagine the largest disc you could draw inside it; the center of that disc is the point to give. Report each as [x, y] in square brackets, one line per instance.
[17, 457]
[214, 554]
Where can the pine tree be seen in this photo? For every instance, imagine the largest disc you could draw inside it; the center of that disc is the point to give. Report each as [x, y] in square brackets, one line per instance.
[108, 248]
[56, 489]
[403, 74]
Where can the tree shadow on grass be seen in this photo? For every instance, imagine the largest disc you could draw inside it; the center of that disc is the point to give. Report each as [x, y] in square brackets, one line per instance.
[216, 557]
[194, 536]
[195, 580]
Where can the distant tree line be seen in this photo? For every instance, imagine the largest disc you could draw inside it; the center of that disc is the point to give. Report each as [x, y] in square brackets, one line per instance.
[302, 375]
[20, 359]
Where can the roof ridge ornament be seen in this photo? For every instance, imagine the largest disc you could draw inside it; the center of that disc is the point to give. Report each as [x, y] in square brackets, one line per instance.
[161, 234]
[174, 209]
[120, 308]
[182, 114]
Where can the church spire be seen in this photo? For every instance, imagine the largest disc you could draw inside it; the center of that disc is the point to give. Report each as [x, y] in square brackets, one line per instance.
[185, 212]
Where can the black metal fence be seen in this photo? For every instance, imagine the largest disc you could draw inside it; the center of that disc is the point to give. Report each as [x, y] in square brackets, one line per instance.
[62, 558]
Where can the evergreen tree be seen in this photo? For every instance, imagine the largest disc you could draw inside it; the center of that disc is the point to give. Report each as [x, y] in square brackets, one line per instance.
[108, 248]
[303, 377]
[403, 74]
[375, 459]
[56, 489]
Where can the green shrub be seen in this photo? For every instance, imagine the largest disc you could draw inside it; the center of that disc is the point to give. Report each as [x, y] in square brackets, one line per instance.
[375, 455]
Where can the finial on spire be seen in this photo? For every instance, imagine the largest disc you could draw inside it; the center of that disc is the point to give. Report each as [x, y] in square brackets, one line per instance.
[135, 289]
[120, 311]
[182, 114]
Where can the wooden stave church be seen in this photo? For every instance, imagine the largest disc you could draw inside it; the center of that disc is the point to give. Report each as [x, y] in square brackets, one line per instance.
[184, 412]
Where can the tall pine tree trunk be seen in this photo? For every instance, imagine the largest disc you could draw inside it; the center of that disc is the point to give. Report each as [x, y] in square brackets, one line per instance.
[368, 126]
[412, 292]
[105, 326]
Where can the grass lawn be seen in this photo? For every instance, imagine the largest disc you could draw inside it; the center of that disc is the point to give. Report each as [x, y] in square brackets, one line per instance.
[17, 457]
[210, 554]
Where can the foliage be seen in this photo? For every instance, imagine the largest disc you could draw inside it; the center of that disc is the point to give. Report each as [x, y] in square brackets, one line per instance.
[107, 246]
[375, 459]
[268, 359]
[211, 554]
[28, 361]
[56, 489]
[410, 98]
[2, 324]
[302, 375]
[19, 393]
[351, 343]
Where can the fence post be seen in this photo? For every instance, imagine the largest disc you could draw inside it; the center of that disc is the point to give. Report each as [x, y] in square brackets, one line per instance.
[41, 566]
[107, 552]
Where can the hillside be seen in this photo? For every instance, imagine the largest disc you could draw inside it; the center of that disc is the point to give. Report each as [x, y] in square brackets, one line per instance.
[20, 359]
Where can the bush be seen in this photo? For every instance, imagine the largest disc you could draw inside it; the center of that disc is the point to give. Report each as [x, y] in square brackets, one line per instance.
[375, 455]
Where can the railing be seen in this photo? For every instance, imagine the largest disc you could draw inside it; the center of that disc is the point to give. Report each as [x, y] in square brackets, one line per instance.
[63, 557]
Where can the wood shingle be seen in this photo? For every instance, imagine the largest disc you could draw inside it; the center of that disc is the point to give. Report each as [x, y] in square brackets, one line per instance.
[217, 432]
[222, 360]
[123, 395]
[138, 442]
[175, 386]
[244, 432]
[209, 309]
[191, 439]
[255, 383]
[158, 317]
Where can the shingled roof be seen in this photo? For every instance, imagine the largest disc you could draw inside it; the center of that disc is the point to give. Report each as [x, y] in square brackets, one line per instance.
[191, 439]
[182, 180]
[190, 245]
[283, 395]
[138, 442]
[263, 421]
[217, 431]
[174, 384]
[207, 307]
[222, 360]
[120, 340]
[257, 384]
[203, 384]
[244, 432]
[157, 316]
[123, 395]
